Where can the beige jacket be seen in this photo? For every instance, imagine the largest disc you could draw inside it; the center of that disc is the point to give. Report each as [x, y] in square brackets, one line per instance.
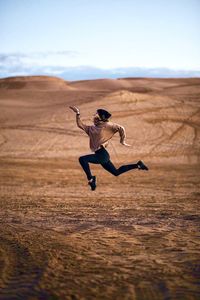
[101, 133]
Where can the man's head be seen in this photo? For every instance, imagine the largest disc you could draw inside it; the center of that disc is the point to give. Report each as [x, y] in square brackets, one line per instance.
[101, 115]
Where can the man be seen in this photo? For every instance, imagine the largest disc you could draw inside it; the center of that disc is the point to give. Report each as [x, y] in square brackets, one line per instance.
[99, 134]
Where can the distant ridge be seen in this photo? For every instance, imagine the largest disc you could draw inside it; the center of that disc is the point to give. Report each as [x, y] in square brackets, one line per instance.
[34, 82]
[52, 83]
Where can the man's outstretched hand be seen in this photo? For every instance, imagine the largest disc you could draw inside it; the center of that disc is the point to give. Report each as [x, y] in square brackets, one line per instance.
[75, 109]
[125, 144]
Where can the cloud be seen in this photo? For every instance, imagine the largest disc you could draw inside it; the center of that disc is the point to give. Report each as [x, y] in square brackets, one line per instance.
[11, 58]
[18, 63]
[37, 53]
[16, 58]
[64, 53]
[14, 63]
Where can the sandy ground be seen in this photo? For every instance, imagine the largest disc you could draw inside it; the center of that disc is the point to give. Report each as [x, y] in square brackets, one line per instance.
[137, 236]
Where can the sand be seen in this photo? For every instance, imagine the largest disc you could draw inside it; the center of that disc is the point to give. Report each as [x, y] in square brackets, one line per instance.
[137, 235]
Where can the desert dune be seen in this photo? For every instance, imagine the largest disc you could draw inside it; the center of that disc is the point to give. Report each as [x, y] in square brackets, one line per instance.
[137, 235]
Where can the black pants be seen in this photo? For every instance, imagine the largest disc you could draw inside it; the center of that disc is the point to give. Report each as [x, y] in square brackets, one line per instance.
[102, 157]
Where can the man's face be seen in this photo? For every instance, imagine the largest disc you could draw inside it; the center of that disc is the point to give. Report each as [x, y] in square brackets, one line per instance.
[96, 119]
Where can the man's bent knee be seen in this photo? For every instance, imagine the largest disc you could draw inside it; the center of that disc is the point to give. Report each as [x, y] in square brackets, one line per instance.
[115, 173]
[81, 160]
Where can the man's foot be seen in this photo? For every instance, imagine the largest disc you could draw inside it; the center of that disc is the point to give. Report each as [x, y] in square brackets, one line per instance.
[92, 183]
[141, 166]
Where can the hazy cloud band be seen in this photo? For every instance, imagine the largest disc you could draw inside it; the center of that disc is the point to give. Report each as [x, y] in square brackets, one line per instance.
[18, 63]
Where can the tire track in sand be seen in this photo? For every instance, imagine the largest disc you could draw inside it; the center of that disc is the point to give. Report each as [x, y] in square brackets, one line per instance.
[20, 275]
[41, 129]
[184, 123]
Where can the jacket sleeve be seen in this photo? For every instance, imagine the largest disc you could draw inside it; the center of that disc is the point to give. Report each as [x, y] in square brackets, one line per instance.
[121, 130]
[81, 125]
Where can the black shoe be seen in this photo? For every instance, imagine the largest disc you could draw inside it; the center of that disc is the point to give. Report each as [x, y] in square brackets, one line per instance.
[93, 183]
[141, 166]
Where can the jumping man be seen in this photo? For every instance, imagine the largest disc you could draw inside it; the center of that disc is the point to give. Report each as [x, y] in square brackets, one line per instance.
[99, 134]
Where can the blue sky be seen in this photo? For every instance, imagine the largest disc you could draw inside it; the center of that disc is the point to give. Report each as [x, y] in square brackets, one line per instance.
[106, 34]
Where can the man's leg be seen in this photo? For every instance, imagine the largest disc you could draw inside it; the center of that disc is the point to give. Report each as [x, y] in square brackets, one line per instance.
[85, 160]
[116, 172]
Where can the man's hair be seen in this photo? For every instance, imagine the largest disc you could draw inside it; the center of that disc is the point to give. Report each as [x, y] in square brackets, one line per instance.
[103, 114]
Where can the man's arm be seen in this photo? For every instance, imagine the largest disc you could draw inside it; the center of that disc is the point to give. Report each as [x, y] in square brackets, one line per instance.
[79, 123]
[122, 134]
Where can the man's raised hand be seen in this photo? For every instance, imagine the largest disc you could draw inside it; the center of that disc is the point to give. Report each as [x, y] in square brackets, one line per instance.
[75, 109]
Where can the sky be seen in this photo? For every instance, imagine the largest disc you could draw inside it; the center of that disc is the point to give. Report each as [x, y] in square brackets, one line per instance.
[52, 35]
